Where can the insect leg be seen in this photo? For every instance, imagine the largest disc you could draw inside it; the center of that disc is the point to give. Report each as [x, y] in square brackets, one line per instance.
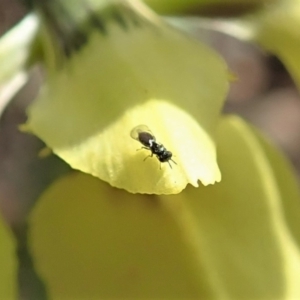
[142, 148]
[148, 156]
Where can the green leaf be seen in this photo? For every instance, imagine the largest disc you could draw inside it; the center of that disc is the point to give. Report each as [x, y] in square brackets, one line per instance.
[228, 241]
[202, 6]
[8, 263]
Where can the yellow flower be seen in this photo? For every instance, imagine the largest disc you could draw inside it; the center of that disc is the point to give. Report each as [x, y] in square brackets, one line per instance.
[113, 66]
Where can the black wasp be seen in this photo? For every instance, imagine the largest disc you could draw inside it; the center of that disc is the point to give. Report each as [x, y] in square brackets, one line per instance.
[143, 134]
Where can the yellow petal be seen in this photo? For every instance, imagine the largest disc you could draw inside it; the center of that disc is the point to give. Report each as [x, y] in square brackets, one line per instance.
[91, 241]
[124, 167]
[276, 29]
[247, 241]
[80, 113]
[287, 183]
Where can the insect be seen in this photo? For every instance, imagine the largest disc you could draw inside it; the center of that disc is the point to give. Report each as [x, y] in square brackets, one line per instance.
[144, 135]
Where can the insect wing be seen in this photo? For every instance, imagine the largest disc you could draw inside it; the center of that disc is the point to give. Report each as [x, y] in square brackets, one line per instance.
[135, 132]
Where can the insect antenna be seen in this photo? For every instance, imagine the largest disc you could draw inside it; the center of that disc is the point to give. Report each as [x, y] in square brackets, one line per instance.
[173, 162]
[142, 148]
